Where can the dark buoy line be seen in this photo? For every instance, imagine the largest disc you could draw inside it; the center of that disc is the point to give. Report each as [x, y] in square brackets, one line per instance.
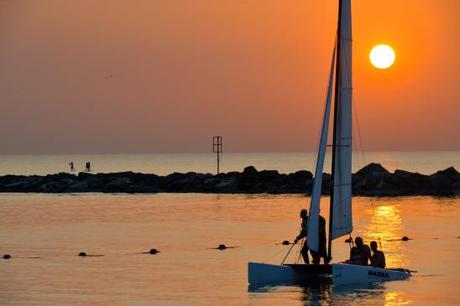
[221, 247]
[82, 254]
[405, 238]
[285, 242]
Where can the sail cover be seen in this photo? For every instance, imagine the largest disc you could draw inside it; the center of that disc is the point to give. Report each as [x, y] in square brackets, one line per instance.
[313, 218]
[341, 210]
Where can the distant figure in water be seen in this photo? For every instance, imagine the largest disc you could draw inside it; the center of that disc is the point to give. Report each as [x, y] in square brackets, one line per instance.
[88, 167]
[303, 233]
[72, 168]
[360, 254]
[378, 258]
[322, 244]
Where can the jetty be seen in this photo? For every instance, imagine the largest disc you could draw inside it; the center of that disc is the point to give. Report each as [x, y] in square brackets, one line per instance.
[372, 180]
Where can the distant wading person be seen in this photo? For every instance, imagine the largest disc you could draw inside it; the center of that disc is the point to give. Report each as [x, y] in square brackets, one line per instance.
[378, 258]
[303, 233]
[360, 254]
[322, 244]
[72, 168]
[88, 167]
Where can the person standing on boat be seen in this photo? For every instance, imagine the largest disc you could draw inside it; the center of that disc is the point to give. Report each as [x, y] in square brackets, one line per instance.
[360, 254]
[378, 258]
[303, 233]
[322, 243]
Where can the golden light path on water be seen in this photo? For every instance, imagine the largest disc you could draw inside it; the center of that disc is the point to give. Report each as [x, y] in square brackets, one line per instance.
[386, 227]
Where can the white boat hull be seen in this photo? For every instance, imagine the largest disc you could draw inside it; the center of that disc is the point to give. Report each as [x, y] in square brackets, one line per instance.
[264, 274]
[346, 274]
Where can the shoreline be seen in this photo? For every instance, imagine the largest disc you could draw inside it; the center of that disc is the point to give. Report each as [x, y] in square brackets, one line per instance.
[371, 180]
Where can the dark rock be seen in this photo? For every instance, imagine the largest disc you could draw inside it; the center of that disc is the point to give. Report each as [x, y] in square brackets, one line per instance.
[7, 256]
[250, 170]
[227, 185]
[119, 184]
[451, 173]
[77, 187]
[372, 180]
[440, 184]
[371, 169]
[456, 188]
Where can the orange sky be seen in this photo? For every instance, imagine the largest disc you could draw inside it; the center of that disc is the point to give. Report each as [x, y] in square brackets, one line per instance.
[164, 76]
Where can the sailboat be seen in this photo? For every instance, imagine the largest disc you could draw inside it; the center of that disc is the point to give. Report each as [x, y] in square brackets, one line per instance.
[340, 218]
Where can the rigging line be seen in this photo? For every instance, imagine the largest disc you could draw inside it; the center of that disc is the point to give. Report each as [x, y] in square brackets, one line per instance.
[319, 130]
[287, 254]
[273, 256]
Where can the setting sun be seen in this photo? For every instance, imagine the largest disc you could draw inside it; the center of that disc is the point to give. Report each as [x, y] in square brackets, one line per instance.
[382, 56]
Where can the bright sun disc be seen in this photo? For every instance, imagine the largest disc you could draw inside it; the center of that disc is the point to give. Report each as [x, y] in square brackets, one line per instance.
[382, 56]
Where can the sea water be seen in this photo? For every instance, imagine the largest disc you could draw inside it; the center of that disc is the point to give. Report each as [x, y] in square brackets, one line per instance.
[426, 162]
[44, 233]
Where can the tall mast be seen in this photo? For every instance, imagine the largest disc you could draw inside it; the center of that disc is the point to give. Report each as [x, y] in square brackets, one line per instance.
[334, 140]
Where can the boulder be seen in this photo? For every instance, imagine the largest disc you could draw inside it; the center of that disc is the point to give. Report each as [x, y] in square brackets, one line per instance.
[371, 169]
[440, 184]
[77, 187]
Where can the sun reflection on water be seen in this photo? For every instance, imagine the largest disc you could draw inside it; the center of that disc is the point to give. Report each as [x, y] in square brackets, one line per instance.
[386, 227]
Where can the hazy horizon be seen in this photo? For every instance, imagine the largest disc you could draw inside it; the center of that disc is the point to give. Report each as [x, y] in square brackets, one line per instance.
[106, 77]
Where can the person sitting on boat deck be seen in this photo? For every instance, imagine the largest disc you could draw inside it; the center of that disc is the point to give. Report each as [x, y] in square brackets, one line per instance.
[360, 254]
[303, 233]
[322, 243]
[378, 258]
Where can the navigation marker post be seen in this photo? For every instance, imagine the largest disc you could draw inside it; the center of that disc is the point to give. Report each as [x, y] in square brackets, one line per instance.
[217, 148]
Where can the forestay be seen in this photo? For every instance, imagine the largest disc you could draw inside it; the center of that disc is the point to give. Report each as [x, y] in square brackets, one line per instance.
[313, 218]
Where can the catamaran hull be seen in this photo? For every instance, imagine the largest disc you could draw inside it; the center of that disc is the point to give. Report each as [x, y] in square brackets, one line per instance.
[345, 274]
[268, 274]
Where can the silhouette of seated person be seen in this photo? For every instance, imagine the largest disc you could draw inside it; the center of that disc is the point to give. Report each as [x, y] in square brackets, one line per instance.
[377, 258]
[360, 254]
[303, 233]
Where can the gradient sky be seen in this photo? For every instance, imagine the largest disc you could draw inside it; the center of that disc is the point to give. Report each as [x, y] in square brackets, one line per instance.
[138, 76]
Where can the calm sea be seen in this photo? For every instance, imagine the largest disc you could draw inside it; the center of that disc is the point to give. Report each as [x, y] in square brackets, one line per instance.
[44, 233]
[187, 271]
[425, 162]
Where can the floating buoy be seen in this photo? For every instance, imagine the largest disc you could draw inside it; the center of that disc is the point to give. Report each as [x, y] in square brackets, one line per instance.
[405, 238]
[6, 256]
[285, 242]
[82, 254]
[348, 240]
[222, 247]
[153, 251]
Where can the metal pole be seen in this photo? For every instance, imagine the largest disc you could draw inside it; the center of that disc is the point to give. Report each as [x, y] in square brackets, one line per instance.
[217, 148]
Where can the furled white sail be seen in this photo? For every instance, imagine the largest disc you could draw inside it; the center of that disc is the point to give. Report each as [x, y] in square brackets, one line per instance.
[313, 218]
[341, 209]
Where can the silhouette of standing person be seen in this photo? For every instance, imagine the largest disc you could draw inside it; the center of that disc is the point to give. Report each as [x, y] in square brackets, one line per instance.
[72, 168]
[88, 167]
[303, 234]
[322, 243]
